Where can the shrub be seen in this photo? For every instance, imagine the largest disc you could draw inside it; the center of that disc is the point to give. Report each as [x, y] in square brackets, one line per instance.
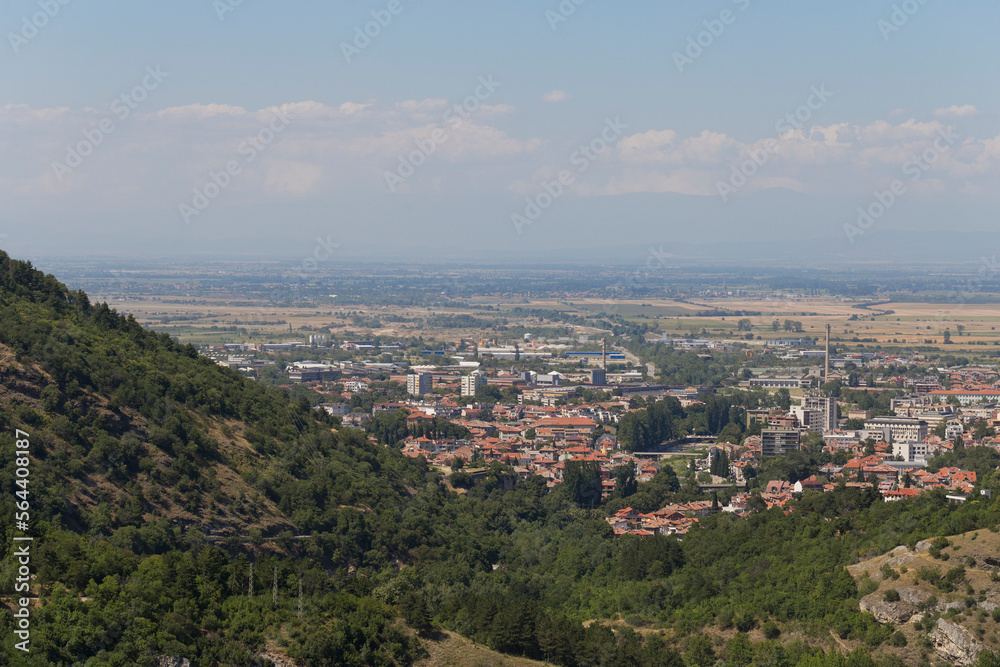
[891, 595]
[867, 587]
[745, 622]
[771, 630]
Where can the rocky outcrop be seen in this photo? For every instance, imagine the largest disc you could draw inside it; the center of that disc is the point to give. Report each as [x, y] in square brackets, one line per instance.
[277, 659]
[898, 556]
[954, 643]
[913, 596]
[896, 613]
[172, 661]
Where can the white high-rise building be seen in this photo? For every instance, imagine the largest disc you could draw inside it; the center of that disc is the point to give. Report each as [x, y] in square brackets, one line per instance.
[418, 384]
[472, 382]
[826, 406]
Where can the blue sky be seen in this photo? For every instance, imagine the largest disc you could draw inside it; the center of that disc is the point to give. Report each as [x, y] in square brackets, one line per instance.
[927, 71]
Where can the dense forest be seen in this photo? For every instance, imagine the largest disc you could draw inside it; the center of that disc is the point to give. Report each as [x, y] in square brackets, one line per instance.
[180, 510]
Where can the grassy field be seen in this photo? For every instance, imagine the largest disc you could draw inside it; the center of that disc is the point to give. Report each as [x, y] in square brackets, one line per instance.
[973, 328]
[451, 650]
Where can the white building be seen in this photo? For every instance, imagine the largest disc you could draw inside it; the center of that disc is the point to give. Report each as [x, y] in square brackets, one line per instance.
[418, 384]
[826, 406]
[899, 429]
[809, 419]
[472, 382]
[354, 385]
[336, 409]
[910, 451]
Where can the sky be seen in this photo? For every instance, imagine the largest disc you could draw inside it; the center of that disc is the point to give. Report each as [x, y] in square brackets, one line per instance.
[422, 128]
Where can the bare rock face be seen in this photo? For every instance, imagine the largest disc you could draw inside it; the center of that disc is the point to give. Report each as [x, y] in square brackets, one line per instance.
[900, 556]
[896, 613]
[277, 659]
[172, 661]
[913, 596]
[954, 643]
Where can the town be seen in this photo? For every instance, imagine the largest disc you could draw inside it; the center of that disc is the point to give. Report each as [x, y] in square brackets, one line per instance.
[473, 405]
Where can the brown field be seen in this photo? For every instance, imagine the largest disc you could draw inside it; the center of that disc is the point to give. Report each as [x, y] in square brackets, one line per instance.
[451, 650]
[907, 325]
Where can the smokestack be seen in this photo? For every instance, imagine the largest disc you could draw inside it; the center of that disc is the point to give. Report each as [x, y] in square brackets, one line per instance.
[826, 374]
[604, 353]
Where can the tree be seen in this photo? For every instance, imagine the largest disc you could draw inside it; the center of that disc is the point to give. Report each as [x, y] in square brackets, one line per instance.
[784, 399]
[744, 325]
[413, 607]
[625, 482]
[720, 463]
[700, 652]
[832, 388]
[582, 481]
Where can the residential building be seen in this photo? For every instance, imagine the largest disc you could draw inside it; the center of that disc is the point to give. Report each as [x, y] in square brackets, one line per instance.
[778, 383]
[910, 451]
[899, 429]
[807, 418]
[472, 382]
[418, 384]
[776, 441]
[826, 406]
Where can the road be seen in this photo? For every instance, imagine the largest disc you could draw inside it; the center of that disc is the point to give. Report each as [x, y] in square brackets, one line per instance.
[636, 361]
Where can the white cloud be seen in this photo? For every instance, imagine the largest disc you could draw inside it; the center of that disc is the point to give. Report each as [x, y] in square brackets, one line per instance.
[286, 178]
[154, 158]
[837, 159]
[956, 111]
[555, 96]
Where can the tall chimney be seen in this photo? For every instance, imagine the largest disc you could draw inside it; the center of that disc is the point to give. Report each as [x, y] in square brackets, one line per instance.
[826, 374]
[604, 353]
